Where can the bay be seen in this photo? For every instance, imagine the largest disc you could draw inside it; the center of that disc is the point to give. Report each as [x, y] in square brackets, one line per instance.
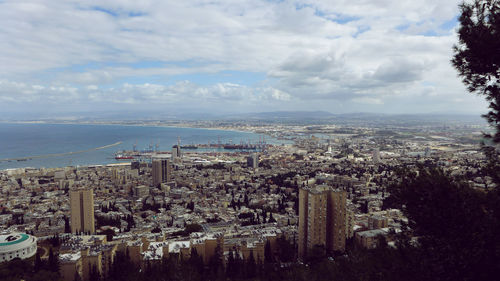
[35, 139]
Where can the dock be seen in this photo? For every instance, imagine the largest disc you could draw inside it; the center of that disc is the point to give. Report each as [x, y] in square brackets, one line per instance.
[59, 154]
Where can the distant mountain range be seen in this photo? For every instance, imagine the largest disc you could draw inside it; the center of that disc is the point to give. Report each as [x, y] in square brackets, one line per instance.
[360, 116]
[295, 117]
[283, 115]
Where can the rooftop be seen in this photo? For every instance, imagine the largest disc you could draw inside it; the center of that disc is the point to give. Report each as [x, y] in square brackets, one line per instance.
[11, 239]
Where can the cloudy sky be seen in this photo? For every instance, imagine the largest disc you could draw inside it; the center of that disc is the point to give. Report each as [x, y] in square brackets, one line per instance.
[383, 56]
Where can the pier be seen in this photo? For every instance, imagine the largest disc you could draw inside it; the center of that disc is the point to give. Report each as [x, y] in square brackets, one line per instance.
[59, 154]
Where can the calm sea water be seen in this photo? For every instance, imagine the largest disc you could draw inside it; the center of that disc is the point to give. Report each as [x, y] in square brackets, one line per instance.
[27, 140]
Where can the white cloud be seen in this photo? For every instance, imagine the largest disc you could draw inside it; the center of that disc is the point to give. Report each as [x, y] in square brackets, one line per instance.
[368, 100]
[142, 95]
[314, 52]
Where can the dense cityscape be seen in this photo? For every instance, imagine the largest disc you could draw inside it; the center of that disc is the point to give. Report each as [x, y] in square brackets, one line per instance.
[300, 140]
[289, 203]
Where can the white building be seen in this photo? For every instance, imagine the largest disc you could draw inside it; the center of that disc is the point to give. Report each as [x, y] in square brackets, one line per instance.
[17, 245]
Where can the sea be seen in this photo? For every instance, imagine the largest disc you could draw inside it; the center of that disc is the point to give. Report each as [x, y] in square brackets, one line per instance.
[26, 140]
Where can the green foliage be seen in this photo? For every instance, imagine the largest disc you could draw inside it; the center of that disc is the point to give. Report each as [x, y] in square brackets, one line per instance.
[123, 269]
[17, 269]
[94, 273]
[39, 264]
[53, 263]
[188, 229]
[155, 207]
[215, 265]
[130, 222]
[477, 54]
[279, 179]
[110, 233]
[190, 206]
[67, 228]
[55, 240]
[286, 250]
[105, 221]
[251, 266]
[13, 270]
[492, 167]
[457, 225]
[268, 254]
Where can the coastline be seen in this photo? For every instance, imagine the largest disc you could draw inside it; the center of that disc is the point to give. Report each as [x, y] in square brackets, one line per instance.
[184, 126]
[62, 158]
[59, 154]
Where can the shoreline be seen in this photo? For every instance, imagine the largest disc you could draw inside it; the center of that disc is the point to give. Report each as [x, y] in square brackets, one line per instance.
[63, 154]
[133, 125]
[59, 154]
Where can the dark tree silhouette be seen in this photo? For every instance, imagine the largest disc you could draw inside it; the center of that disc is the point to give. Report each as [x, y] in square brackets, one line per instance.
[286, 249]
[251, 266]
[455, 225]
[38, 262]
[67, 228]
[477, 54]
[53, 264]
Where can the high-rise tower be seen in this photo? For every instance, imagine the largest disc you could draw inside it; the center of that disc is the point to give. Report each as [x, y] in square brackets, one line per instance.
[253, 161]
[161, 171]
[322, 214]
[82, 210]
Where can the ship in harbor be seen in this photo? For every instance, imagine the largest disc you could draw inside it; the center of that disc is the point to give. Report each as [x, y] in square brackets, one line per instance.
[152, 150]
[228, 146]
[240, 146]
[188, 146]
[123, 157]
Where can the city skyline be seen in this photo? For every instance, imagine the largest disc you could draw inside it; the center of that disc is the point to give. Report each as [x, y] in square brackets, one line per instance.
[64, 58]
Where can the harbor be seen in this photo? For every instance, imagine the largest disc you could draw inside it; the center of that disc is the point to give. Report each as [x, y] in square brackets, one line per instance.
[219, 147]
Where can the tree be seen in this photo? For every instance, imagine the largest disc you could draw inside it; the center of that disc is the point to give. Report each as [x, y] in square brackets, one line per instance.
[251, 267]
[38, 262]
[196, 261]
[53, 264]
[286, 250]
[110, 233]
[123, 268]
[268, 255]
[67, 228]
[55, 241]
[271, 219]
[477, 55]
[316, 254]
[94, 273]
[268, 268]
[190, 228]
[77, 277]
[230, 266]
[215, 262]
[492, 167]
[364, 207]
[456, 225]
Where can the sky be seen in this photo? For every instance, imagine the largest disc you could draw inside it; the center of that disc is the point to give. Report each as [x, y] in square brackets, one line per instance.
[341, 56]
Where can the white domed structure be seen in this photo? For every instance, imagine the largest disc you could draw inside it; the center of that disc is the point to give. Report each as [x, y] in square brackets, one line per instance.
[17, 245]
